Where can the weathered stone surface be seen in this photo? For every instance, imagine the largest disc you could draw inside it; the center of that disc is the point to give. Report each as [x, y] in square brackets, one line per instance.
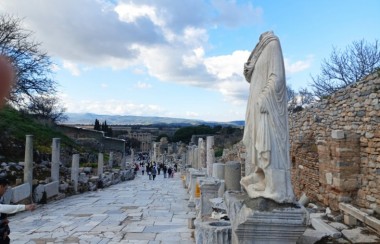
[211, 232]
[218, 170]
[360, 235]
[51, 189]
[209, 190]
[337, 134]
[263, 220]
[20, 192]
[318, 144]
[232, 176]
[319, 225]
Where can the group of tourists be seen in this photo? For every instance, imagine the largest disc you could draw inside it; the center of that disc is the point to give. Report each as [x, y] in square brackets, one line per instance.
[153, 169]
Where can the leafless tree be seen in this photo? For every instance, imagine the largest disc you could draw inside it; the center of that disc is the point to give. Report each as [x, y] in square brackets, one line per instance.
[32, 66]
[47, 108]
[344, 68]
[305, 97]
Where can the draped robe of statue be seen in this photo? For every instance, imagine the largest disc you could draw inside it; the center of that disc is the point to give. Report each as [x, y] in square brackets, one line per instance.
[266, 133]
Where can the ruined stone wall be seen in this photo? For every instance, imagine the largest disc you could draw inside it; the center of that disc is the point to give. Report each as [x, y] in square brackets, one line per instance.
[335, 147]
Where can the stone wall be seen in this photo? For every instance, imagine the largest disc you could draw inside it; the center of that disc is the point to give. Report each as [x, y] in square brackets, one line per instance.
[335, 147]
[94, 138]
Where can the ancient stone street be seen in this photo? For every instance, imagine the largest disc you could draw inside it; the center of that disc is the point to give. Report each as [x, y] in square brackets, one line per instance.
[137, 211]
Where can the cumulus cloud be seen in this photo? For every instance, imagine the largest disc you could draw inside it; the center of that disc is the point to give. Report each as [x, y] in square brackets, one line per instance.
[112, 107]
[297, 66]
[166, 39]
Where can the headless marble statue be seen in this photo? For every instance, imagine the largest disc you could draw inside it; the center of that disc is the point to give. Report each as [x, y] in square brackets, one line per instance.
[266, 133]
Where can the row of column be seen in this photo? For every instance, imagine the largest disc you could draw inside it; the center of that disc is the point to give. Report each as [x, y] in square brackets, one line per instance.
[203, 155]
[55, 163]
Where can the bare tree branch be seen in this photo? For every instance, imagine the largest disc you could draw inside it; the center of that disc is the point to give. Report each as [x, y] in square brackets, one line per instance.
[344, 68]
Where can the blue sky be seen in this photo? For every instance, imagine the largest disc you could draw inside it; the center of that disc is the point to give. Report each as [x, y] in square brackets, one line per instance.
[183, 58]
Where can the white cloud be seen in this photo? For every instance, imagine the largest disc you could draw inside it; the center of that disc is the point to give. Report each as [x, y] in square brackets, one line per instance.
[297, 66]
[169, 39]
[104, 85]
[143, 85]
[130, 12]
[112, 107]
[71, 67]
[226, 66]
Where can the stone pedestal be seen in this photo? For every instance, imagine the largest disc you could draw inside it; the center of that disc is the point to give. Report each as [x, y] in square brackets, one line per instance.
[211, 232]
[232, 176]
[193, 181]
[209, 190]
[262, 220]
[218, 171]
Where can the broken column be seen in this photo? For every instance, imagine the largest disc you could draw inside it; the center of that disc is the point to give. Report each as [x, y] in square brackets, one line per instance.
[100, 164]
[210, 154]
[55, 159]
[28, 167]
[232, 176]
[75, 171]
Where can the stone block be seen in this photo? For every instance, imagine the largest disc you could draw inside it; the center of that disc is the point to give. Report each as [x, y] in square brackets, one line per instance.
[20, 192]
[52, 189]
[329, 178]
[352, 211]
[373, 222]
[319, 225]
[337, 134]
[360, 235]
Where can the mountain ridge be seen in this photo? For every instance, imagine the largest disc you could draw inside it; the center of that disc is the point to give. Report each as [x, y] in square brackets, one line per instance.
[89, 118]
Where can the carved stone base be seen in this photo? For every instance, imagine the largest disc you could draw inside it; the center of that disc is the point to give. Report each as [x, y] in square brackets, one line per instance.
[213, 231]
[262, 220]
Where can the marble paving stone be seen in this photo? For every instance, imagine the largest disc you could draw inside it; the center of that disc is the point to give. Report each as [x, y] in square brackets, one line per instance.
[140, 236]
[137, 211]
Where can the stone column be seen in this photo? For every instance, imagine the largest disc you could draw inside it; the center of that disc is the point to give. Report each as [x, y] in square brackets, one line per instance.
[209, 190]
[132, 155]
[28, 167]
[210, 154]
[232, 176]
[123, 162]
[100, 164]
[75, 171]
[201, 153]
[55, 159]
[196, 158]
[218, 171]
[190, 156]
[110, 160]
[155, 151]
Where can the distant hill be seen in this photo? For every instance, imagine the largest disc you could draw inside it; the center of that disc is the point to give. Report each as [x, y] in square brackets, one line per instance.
[89, 118]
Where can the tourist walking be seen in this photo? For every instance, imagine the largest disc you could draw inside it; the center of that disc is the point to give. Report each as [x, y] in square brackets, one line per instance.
[154, 171]
[6, 209]
[165, 170]
[170, 171]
